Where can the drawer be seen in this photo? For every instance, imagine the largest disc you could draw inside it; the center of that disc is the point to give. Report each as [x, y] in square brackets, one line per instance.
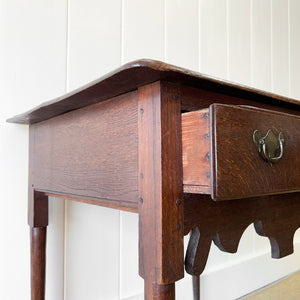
[233, 152]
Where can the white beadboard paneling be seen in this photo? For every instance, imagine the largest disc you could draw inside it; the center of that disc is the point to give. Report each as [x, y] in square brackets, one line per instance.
[261, 44]
[238, 14]
[142, 30]
[94, 39]
[55, 249]
[130, 282]
[14, 231]
[213, 37]
[32, 60]
[294, 25]
[181, 33]
[33, 52]
[280, 47]
[92, 252]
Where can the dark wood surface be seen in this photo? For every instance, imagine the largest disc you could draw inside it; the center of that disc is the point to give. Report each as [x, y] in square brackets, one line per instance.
[238, 170]
[194, 99]
[233, 168]
[196, 287]
[159, 291]
[89, 153]
[37, 208]
[138, 73]
[160, 186]
[119, 204]
[37, 201]
[276, 217]
[38, 262]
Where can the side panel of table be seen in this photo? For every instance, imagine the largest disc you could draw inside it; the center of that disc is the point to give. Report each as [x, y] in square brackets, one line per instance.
[90, 153]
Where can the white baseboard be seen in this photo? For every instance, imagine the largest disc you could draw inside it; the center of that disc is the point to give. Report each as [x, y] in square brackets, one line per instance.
[244, 277]
[238, 279]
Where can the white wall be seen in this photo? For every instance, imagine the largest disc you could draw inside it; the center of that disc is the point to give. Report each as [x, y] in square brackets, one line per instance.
[50, 47]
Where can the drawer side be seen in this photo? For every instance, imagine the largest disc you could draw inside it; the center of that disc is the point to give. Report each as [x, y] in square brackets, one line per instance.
[195, 152]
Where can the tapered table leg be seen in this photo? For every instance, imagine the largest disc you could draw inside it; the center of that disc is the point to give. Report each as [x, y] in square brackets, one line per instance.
[38, 262]
[159, 291]
[196, 287]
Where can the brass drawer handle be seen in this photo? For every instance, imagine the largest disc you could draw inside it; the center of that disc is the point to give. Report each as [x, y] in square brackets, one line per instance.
[269, 145]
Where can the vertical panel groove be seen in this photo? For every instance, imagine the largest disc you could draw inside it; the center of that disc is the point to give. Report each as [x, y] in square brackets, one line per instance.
[165, 30]
[67, 47]
[251, 44]
[65, 206]
[199, 37]
[289, 46]
[227, 39]
[122, 32]
[65, 248]
[272, 43]
[120, 213]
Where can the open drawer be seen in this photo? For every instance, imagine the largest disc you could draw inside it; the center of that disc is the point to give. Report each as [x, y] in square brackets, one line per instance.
[234, 152]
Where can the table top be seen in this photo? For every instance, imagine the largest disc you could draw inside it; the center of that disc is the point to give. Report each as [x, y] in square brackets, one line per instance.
[138, 73]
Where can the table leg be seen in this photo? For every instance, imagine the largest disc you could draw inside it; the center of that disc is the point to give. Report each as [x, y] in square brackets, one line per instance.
[38, 221]
[38, 262]
[196, 287]
[161, 252]
[159, 291]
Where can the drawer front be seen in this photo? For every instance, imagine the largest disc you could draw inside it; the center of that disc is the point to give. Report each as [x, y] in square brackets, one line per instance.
[236, 168]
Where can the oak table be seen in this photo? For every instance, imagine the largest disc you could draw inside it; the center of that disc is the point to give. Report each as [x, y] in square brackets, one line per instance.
[187, 152]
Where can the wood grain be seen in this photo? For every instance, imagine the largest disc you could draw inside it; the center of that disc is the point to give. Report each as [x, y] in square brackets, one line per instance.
[120, 205]
[89, 153]
[154, 291]
[160, 185]
[196, 152]
[223, 160]
[138, 73]
[194, 99]
[37, 201]
[276, 217]
[239, 170]
[126, 153]
[196, 287]
[38, 262]
[37, 208]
